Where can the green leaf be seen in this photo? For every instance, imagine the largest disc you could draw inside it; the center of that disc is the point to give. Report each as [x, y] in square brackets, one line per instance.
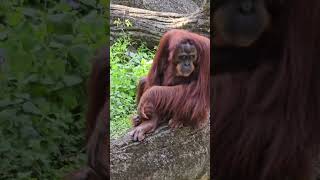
[71, 80]
[32, 78]
[5, 102]
[29, 41]
[38, 90]
[47, 81]
[8, 115]
[34, 144]
[5, 146]
[27, 131]
[30, 12]
[104, 3]
[58, 86]
[3, 35]
[23, 95]
[56, 45]
[43, 104]
[60, 23]
[14, 18]
[29, 107]
[57, 67]
[91, 3]
[70, 100]
[63, 6]
[65, 39]
[24, 175]
[20, 62]
[80, 52]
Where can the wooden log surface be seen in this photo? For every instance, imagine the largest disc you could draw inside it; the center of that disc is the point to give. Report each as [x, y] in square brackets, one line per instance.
[148, 26]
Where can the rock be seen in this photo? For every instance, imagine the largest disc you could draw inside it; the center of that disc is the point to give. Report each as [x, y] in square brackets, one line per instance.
[180, 154]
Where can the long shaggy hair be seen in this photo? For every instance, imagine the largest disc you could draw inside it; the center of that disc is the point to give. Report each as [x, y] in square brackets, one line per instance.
[266, 120]
[159, 99]
[161, 72]
[194, 97]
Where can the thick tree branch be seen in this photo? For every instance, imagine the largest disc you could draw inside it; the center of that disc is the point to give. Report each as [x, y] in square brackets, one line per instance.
[149, 26]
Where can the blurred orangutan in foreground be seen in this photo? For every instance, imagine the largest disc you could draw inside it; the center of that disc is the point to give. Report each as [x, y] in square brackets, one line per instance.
[266, 101]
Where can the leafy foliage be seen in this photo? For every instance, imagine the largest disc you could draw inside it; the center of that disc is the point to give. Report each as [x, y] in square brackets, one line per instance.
[127, 68]
[45, 47]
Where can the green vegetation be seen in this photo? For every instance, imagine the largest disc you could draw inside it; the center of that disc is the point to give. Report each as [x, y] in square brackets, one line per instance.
[45, 47]
[126, 69]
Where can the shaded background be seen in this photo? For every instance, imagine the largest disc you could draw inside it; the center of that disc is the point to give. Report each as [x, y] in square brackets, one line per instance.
[45, 51]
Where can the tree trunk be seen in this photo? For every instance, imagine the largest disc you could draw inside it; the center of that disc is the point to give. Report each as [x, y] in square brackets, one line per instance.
[149, 26]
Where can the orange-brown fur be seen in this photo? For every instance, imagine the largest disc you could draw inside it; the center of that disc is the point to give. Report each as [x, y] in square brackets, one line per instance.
[194, 97]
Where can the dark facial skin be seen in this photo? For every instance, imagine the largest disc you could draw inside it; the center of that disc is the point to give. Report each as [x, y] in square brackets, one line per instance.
[240, 27]
[185, 58]
[240, 22]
